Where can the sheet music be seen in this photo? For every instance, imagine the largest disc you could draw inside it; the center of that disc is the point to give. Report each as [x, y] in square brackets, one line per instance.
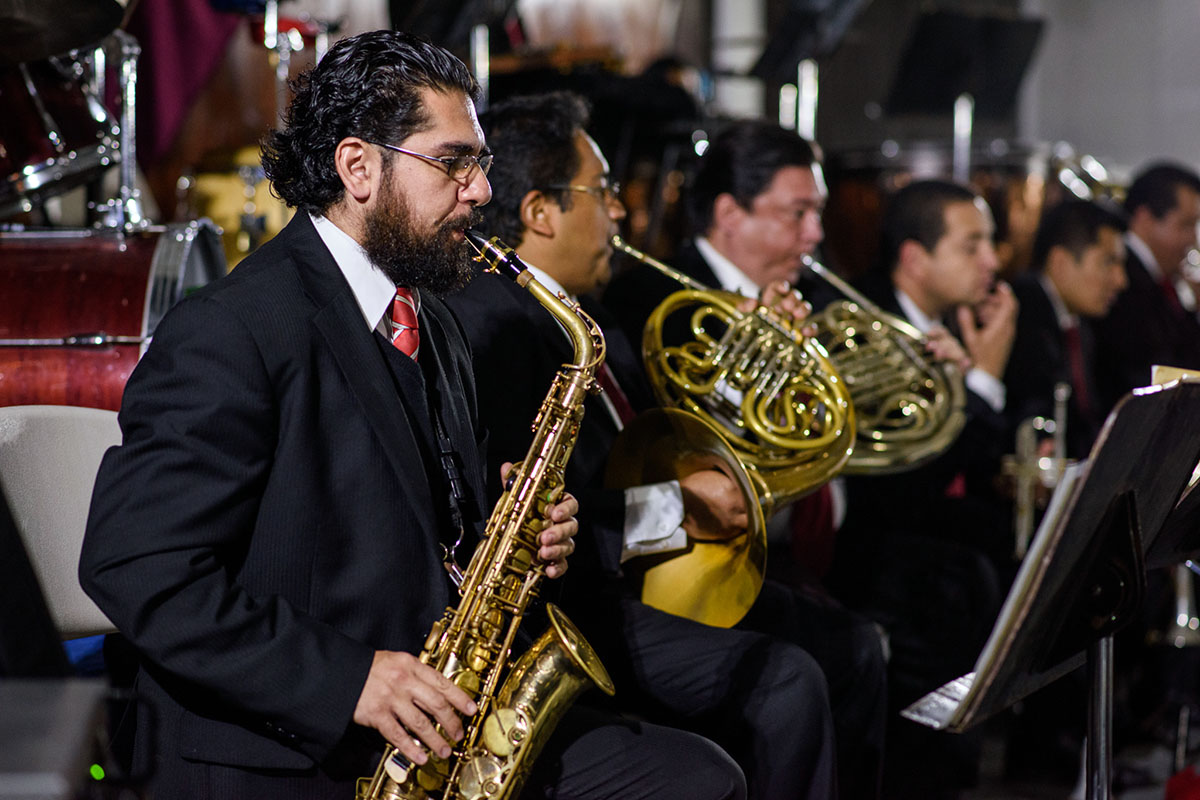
[949, 705]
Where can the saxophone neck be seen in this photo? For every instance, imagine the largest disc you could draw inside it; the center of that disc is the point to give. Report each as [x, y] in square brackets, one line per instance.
[586, 339]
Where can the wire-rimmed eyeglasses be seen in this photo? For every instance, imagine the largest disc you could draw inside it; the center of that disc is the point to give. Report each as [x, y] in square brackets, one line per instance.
[457, 167]
[607, 191]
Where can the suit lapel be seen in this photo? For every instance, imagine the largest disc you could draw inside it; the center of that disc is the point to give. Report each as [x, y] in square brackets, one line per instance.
[340, 323]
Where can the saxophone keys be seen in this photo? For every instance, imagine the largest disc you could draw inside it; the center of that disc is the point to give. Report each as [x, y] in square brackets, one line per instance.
[504, 730]
[481, 777]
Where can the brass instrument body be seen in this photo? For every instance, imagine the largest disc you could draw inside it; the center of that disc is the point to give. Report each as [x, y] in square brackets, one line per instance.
[752, 391]
[910, 408]
[1032, 472]
[773, 390]
[471, 643]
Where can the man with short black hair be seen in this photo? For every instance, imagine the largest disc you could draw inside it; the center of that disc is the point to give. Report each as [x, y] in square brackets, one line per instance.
[763, 700]
[1077, 273]
[1153, 321]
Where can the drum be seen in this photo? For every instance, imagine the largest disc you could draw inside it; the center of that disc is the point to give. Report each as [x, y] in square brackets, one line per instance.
[80, 306]
[55, 133]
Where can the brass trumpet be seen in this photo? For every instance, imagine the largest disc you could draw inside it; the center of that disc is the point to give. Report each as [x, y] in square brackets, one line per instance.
[749, 390]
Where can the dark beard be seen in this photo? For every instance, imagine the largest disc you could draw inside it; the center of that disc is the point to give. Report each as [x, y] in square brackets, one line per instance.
[436, 263]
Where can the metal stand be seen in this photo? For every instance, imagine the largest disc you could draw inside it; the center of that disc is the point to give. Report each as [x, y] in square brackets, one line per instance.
[1100, 719]
[124, 213]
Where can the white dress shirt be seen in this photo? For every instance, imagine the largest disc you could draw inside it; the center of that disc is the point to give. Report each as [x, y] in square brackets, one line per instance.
[373, 291]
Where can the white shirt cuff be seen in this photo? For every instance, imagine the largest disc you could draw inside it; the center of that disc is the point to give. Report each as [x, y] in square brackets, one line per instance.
[653, 520]
[987, 386]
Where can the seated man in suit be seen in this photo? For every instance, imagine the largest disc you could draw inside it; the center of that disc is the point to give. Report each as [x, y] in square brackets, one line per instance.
[1153, 322]
[921, 551]
[556, 205]
[1078, 270]
[938, 269]
[302, 462]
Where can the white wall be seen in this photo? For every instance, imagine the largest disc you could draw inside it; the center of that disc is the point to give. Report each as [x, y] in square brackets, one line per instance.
[1119, 79]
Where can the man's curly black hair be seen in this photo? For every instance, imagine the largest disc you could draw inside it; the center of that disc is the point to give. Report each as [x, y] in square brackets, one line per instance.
[533, 138]
[368, 86]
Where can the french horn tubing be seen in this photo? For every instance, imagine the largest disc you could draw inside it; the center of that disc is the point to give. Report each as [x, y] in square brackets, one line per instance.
[750, 391]
[909, 406]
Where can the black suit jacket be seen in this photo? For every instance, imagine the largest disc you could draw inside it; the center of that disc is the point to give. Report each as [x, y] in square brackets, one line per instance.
[917, 501]
[271, 518]
[1040, 360]
[1142, 329]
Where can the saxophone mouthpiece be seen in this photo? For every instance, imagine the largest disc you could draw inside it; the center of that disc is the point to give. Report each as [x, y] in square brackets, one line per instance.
[495, 255]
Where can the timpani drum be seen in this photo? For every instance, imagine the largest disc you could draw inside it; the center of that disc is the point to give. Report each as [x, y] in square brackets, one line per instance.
[80, 305]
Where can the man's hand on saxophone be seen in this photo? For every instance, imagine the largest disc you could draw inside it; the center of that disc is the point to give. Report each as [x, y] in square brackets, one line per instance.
[406, 700]
[557, 541]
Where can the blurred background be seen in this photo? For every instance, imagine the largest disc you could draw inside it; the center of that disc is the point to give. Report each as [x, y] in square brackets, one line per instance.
[1052, 96]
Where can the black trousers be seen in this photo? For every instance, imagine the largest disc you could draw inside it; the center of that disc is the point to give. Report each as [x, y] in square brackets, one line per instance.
[849, 648]
[763, 700]
[592, 755]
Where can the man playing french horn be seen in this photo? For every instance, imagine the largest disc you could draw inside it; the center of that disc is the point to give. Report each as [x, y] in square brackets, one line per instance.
[302, 472]
[760, 696]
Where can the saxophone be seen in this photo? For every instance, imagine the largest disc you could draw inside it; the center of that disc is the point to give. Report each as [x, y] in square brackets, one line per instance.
[471, 644]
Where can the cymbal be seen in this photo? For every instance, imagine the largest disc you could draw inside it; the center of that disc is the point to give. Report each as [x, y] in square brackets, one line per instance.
[31, 30]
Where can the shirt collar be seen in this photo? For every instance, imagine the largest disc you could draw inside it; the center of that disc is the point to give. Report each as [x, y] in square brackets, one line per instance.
[1144, 254]
[544, 279]
[1066, 320]
[914, 313]
[730, 278]
[373, 291]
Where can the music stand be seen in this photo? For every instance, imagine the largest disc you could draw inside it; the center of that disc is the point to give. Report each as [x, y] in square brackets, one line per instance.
[951, 53]
[1083, 576]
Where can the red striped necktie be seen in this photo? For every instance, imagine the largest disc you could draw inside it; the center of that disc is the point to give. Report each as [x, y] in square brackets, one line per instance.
[405, 333]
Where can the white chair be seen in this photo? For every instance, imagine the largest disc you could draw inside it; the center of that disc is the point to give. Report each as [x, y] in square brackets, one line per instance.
[49, 456]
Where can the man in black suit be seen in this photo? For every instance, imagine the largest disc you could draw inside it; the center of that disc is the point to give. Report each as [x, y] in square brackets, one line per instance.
[299, 442]
[1078, 270]
[921, 550]
[1154, 319]
[938, 270]
[556, 206]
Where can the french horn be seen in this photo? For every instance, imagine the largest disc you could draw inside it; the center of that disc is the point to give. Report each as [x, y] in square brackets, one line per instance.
[746, 390]
[910, 407]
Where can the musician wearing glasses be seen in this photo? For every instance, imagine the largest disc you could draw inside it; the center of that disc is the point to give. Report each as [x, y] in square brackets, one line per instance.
[761, 697]
[302, 467]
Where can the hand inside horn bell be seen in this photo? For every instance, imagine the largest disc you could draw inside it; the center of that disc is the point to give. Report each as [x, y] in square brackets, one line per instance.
[714, 508]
